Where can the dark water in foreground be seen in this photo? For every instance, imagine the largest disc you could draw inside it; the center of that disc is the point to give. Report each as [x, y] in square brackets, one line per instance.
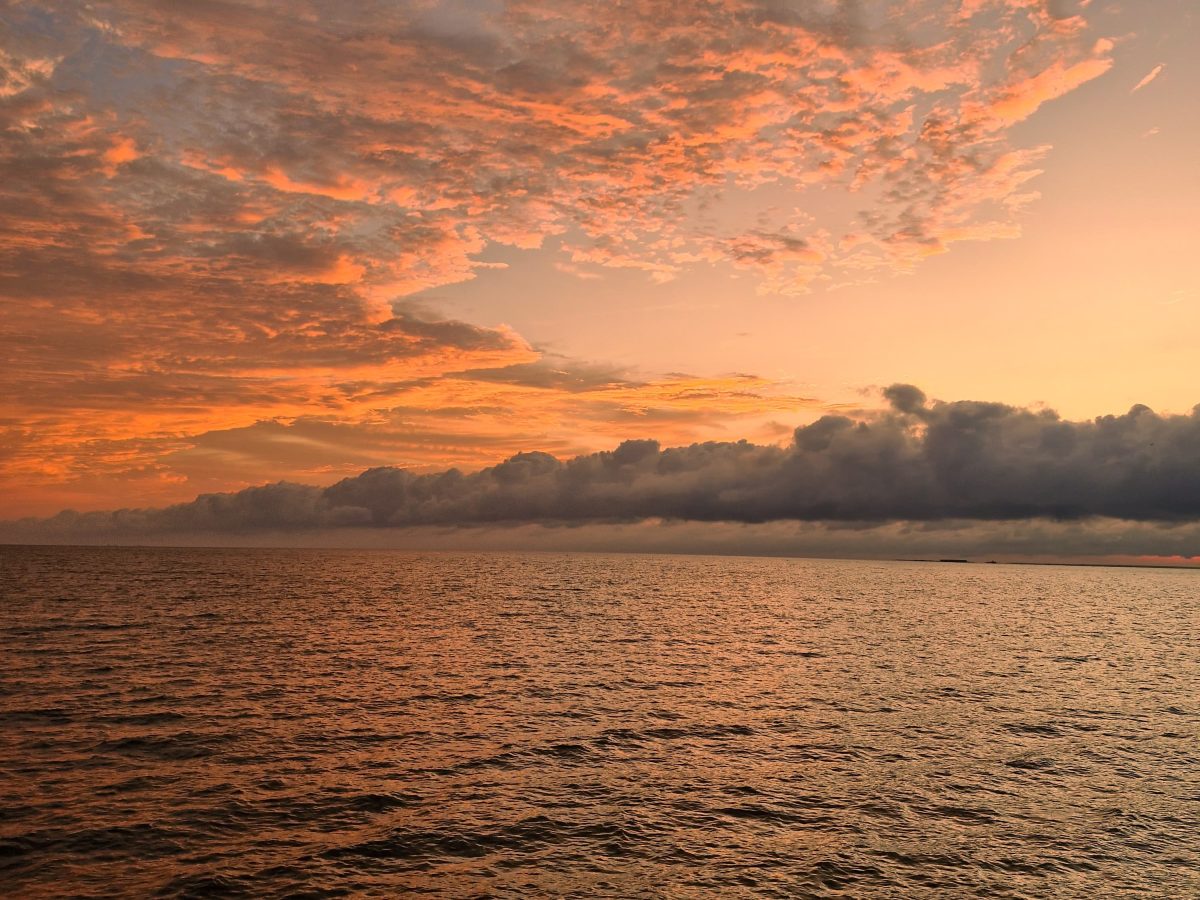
[184, 723]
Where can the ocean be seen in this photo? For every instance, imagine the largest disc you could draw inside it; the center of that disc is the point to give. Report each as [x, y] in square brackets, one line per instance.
[271, 723]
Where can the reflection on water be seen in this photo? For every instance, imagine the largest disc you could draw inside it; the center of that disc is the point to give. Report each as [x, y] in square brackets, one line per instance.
[266, 722]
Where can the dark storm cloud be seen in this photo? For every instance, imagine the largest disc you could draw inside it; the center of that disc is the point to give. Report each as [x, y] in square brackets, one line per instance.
[917, 462]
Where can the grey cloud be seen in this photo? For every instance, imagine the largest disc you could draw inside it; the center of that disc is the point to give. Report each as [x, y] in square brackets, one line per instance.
[1041, 540]
[287, 251]
[905, 398]
[843, 20]
[1064, 9]
[432, 331]
[917, 462]
[554, 372]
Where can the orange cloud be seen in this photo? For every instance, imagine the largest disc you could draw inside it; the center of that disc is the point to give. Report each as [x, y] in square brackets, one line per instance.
[123, 150]
[1022, 100]
[343, 188]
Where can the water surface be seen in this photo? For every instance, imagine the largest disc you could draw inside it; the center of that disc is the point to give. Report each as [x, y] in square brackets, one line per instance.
[274, 722]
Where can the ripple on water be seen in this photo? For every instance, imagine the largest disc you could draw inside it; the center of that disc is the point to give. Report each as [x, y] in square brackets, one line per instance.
[299, 723]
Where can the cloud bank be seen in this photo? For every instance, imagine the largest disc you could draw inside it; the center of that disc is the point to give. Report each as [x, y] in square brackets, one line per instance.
[938, 463]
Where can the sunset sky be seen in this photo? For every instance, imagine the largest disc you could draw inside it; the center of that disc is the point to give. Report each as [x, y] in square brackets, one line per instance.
[249, 242]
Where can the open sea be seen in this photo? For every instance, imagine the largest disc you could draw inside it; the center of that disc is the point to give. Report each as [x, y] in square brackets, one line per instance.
[269, 723]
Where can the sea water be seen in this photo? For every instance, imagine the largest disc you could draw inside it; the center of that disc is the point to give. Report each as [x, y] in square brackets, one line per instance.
[279, 722]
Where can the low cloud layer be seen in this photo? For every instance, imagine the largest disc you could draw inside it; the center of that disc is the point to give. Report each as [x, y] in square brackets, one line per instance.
[938, 463]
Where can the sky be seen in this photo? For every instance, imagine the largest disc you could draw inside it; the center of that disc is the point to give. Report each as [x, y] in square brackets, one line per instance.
[245, 243]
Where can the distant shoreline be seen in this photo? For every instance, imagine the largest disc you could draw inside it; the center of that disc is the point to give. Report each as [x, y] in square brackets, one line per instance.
[602, 551]
[1026, 562]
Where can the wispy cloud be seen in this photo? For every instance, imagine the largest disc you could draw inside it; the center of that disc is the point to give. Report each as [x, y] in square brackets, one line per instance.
[1150, 76]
